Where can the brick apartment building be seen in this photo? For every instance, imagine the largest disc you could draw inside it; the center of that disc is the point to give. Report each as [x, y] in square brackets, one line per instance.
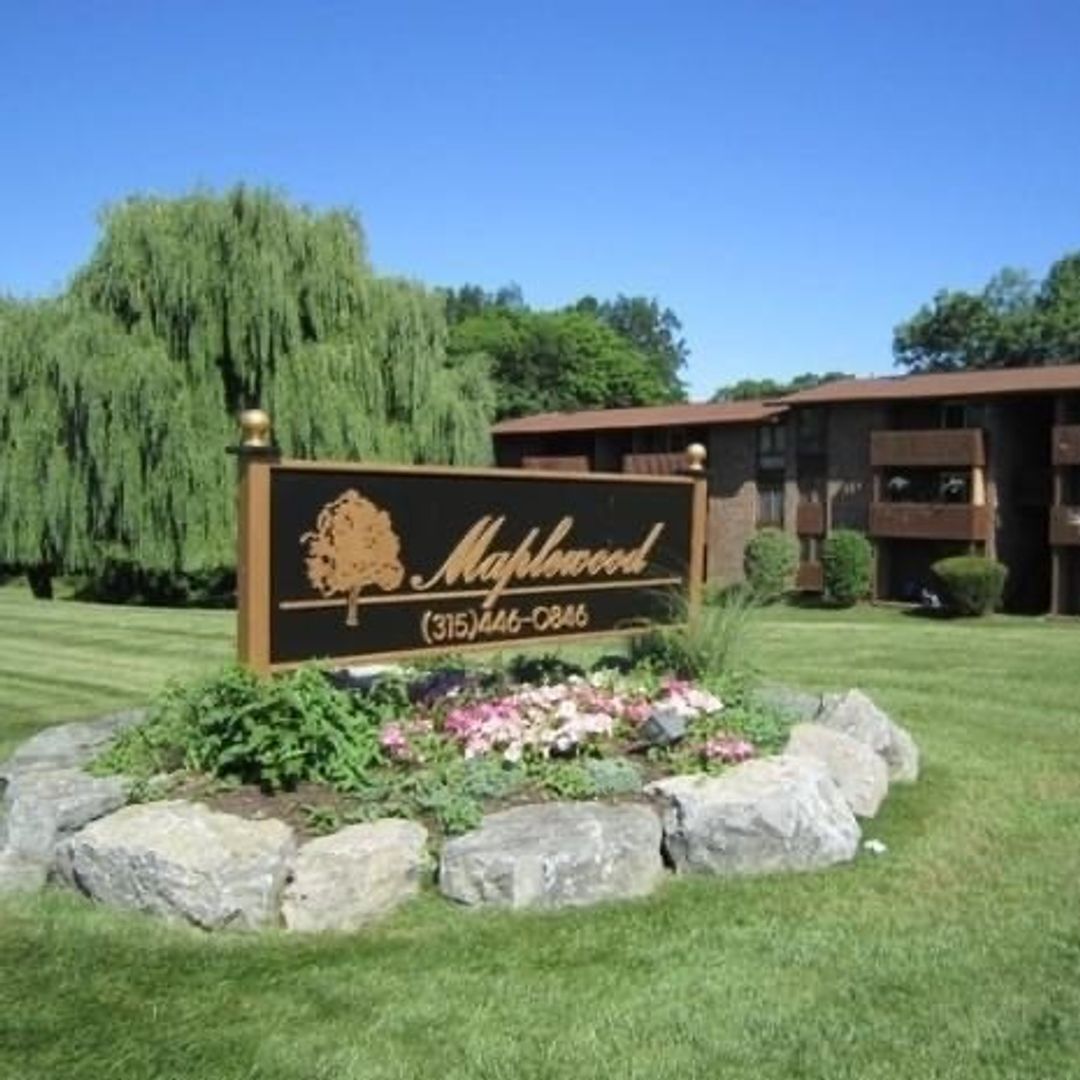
[925, 465]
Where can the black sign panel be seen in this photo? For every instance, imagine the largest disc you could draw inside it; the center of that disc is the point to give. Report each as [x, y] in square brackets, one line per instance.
[370, 562]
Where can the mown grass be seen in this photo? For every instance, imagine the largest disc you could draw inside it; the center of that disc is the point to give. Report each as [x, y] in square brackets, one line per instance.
[957, 954]
[63, 660]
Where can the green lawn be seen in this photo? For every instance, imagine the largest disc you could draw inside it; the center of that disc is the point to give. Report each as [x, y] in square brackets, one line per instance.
[66, 660]
[957, 954]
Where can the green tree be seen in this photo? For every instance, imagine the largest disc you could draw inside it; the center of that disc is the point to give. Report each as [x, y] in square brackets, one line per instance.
[654, 331]
[118, 400]
[554, 361]
[754, 389]
[1013, 321]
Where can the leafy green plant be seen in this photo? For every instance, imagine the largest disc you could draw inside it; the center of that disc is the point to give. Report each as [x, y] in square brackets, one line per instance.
[275, 732]
[769, 561]
[451, 792]
[973, 584]
[566, 779]
[546, 668]
[613, 776]
[847, 559]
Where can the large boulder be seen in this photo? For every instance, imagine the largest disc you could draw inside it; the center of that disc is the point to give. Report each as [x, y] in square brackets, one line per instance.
[764, 816]
[349, 879]
[42, 806]
[21, 875]
[555, 855]
[861, 775]
[183, 861]
[856, 715]
[69, 746]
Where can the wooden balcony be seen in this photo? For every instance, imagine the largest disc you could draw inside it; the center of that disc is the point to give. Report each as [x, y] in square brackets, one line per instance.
[666, 464]
[1066, 450]
[810, 519]
[955, 448]
[1065, 526]
[809, 577]
[930, 521]
[552, 463]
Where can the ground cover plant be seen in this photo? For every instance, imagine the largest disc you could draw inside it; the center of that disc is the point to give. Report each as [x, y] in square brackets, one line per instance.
[955, 955]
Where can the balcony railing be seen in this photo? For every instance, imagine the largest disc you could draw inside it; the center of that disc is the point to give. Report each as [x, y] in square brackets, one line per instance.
[810, 519]
[552, 463]
[929, 521]
[957, 448]
[663, 464]
[1065, 526]
[1066, 449]
[809, 577]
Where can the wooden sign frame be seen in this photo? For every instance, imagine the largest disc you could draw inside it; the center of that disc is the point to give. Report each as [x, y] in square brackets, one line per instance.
[260, 473]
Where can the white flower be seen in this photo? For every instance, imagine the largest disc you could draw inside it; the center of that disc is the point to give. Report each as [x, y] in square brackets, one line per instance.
[875, 847]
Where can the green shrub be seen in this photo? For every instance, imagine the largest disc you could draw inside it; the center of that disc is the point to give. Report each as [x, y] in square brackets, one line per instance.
[847, 561]
[769, 560]
[274, 732]
[973, 584]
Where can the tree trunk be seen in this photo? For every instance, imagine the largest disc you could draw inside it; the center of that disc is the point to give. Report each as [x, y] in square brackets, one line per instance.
[352, 618]
[40, 578]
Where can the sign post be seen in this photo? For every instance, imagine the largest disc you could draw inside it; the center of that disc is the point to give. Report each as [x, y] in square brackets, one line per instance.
[344, 562]
[253, 456]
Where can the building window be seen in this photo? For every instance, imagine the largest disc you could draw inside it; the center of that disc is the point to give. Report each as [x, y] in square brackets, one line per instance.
[771, 446]
[771, 505]
[961, 414]
[664, 440]
[812, 489]
[810, 431]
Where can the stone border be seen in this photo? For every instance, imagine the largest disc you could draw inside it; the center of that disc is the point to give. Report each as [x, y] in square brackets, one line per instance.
[795, 811]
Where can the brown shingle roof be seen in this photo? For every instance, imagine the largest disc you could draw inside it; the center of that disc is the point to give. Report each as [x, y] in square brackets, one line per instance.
[682, 415]
[961, 384]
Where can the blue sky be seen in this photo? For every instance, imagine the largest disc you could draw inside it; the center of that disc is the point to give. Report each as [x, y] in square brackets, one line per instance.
[792, 179]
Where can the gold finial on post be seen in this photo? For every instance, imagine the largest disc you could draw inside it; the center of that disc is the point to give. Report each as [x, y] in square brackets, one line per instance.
[255, 428]
[695, 459]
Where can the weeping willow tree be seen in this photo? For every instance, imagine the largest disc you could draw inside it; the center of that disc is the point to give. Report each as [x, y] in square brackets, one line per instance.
[118, 399]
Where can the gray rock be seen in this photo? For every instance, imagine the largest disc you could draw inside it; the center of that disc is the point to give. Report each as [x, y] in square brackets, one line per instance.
[664, 726]
[764, 816]
[42, 806]
[555, 855]
[69, 746]
[183, 861]
[798, 705]
[349, 879]
[21, 875]
[861, 775]
[856, 715]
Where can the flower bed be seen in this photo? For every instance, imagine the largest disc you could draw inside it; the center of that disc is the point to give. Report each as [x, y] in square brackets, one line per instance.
[443, 746]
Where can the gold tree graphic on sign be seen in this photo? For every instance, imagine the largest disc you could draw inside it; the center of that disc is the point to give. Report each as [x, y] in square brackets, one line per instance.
[352, 546]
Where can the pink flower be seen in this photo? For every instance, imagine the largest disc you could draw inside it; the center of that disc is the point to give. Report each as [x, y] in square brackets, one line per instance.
[727, 749]
[392, 739]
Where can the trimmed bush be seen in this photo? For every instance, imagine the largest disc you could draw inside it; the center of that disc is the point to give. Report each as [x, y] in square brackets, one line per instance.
[973, 584]
[847, 560]
[769, 560]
